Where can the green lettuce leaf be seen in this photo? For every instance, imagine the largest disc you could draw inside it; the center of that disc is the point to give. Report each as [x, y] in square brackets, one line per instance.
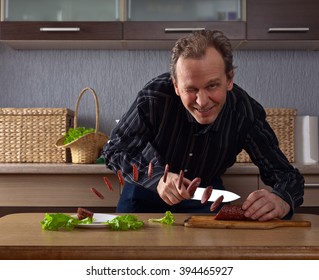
[75, 133]
[124, 222]
[62, 221]
[168, 219]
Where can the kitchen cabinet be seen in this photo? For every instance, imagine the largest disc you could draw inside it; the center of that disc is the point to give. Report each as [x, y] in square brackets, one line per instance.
[34, 187]
[282, 24]
[72, 23]
[169, 20]
[311, 192]
[56, 188]
[241, 184]
[83, 24]
[154, 24]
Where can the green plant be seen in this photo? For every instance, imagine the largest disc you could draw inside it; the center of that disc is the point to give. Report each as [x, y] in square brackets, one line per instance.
[75, 133]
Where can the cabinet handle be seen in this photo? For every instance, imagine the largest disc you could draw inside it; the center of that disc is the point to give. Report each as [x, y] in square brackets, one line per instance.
[312, 185]
[63, 29]
[183, 29]
[287, 29]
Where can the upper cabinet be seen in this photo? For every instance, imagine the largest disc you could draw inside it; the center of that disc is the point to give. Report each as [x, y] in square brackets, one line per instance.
[282, 24]
[29, 22]
[115, 23]
[162, 22]
[157, 24]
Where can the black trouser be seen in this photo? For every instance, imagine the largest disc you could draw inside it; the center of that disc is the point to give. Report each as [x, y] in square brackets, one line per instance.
[136, 199]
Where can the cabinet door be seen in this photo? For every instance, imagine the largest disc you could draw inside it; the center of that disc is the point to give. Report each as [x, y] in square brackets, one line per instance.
[56, 190]
[311, 195]
[166, 21]
[282, 20]
[19, 30]
[60, 10]
[181, 10]
[60, 20]
[243, 185]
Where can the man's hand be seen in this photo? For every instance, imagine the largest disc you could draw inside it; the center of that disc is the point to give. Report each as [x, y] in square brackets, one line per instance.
[169, 191]
[263, 205]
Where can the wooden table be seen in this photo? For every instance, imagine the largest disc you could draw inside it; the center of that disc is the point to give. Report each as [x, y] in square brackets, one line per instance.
[21, 237]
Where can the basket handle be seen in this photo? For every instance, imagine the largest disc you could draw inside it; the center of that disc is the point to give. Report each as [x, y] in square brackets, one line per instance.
[97, 111]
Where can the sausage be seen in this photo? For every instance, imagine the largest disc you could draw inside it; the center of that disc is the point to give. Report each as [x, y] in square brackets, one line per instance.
[108, 183]
[216, 203]
[97, 193]
[120, 177]
[165, 173]
[150, 170]
[180, 179]
[83, 213]
[193, 186]
[206, 194]
[135, 172]
[231, 212]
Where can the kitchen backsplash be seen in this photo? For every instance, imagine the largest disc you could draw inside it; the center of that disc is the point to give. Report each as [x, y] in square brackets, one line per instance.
[54, 78]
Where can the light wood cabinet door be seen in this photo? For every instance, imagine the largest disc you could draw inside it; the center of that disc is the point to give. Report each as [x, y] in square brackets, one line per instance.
[242, 185]
[311, 195]
[52, 190]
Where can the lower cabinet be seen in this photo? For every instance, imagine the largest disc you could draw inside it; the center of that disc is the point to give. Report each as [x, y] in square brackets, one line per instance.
[242, 185]
[311, 194]
[56, 192]
[64, 188]
[311, 197]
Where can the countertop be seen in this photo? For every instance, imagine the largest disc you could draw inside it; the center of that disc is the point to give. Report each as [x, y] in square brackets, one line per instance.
[69, 168]
[21, 237]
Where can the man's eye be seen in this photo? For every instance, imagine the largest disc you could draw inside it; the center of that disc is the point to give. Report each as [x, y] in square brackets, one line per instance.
[212, 86]
[190, 90]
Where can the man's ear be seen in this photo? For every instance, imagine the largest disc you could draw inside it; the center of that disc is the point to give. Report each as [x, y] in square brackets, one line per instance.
[175, 86]
[230, 80]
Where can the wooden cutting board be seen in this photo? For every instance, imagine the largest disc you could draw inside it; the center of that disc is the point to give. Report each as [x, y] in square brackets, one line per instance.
[210, 222]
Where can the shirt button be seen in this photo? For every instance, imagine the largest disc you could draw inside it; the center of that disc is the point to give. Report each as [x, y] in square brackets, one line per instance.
[190, 154]
[185, 170]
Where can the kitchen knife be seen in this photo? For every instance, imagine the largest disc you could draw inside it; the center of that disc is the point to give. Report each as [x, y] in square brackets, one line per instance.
[228, 196]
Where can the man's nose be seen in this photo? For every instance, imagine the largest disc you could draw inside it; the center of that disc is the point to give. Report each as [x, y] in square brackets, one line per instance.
[202, 98]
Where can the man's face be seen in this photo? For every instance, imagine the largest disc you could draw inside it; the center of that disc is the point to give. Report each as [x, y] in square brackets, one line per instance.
[202, 85]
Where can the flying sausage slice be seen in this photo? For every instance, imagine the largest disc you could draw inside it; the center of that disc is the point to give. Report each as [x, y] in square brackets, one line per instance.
[206, 194]
[193, 186]
[216, 203]
[83, 213]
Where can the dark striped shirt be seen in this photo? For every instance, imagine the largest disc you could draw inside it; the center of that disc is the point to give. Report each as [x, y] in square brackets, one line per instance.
[158, 128]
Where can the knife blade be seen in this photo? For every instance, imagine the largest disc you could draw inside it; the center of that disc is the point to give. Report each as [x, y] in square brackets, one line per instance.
[228, 196]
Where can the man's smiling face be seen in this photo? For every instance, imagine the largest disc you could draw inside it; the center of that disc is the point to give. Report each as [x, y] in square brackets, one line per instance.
[202, 85]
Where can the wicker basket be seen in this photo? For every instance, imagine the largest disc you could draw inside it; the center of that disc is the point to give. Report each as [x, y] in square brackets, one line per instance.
[86, 148]
[27, 135]
[282, 121]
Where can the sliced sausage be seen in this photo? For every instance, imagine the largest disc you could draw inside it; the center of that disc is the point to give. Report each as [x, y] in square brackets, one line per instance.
[150, 170]
[180, 179]
[206, 194]
[193, 186]
[231, 212]
[108, 183]
[97, 193]
[135, 172]
[216, 203]
[83, 213]
[165, 173]
[120, 177]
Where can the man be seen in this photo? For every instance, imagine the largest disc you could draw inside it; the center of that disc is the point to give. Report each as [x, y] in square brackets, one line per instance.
[197, 120]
